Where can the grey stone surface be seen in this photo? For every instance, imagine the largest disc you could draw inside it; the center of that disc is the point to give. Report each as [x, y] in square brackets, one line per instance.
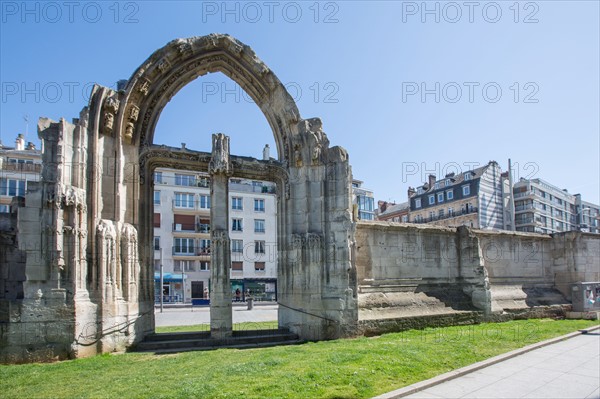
[567, 369]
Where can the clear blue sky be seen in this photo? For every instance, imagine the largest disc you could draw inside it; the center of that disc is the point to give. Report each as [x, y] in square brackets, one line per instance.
[359, 66]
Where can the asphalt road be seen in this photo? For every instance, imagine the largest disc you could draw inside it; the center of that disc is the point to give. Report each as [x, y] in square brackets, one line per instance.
[201, 315]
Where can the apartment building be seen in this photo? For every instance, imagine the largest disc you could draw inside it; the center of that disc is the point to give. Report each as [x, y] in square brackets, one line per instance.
[541, 207]
[473, 198]
[19, 165]
[392, 212]
[364, 200]
[182, 236]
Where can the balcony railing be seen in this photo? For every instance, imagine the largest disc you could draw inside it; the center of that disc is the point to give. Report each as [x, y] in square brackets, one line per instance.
[185, 227]
[191, 205]
[192, 227]
[21, 167]
[203, 228]
[191, 251]
[523, 194]
[447, 215]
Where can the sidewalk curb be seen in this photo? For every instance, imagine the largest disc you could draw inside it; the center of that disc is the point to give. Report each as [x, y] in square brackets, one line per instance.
[422, 385]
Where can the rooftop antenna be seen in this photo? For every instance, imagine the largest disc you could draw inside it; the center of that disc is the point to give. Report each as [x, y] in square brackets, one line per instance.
[26, 119]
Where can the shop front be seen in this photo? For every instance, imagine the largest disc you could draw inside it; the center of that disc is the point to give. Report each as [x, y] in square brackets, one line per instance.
[172, 287]
[261, 290]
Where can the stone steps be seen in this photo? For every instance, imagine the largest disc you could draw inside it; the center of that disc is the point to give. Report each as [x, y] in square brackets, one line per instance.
[182, 342]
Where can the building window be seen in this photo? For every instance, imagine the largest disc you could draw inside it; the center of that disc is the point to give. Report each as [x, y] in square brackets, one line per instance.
[447, 183]
[365, 203]
[449, 195]
[237, 203]
[466, 190]
[183, 246]
[436, 186]
[441, 213]
[205, 201]
[236, 225]
[259, 205]
[157, 243]
[450, 211]
[4, 209]
[184, 180]
[204, 247]
[184, 200]
[467, 176]
[259, 225]
[418, 203]
[12, 187]
[237, 266]
[419, 190]
[157, 220]
[158, 177]
[259, 266]
[431, 215]
[440, 197]
[431, 199]
[157, 198]
[204, 266]
[184, 266]
[257, 186]
[259, 247]
[237, 246]
[203, 182]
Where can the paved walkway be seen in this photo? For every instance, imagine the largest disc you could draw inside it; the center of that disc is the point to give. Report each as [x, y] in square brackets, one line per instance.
[567, 369]
[201, 315]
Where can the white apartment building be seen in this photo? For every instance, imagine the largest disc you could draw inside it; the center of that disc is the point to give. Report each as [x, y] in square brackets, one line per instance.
[541, 207]
[364, 200]
[19, 165]
[182, 236]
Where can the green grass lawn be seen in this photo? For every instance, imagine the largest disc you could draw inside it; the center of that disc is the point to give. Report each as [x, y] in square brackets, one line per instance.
[258, 325]
[346, 368]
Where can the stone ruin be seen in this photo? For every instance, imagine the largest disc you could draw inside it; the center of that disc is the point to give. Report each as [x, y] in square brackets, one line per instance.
[76, 257]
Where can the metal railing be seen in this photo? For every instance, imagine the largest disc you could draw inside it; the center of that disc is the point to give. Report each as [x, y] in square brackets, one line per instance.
[447, 216]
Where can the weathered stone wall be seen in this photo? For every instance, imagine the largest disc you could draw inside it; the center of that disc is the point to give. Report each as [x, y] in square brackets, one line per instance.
[407, 270]
[576, 258]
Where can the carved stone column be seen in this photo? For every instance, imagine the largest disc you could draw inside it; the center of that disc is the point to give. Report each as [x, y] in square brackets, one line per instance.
[220, 169]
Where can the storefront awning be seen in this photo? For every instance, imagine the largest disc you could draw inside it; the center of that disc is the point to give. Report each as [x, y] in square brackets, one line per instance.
[167, 277]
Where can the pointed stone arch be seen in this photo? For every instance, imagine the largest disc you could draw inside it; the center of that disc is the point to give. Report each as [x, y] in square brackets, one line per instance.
[181, 61]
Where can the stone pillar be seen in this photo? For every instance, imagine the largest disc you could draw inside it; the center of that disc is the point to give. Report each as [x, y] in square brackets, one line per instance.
[220, 169]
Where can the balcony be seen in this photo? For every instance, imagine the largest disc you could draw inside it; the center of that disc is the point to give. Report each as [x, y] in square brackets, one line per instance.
[463, 212]
[203, 251]
[203, 228]
[190, 205]
[191, 251]
[184, 227]
[21, 167]
[523, 194]
[183, 251]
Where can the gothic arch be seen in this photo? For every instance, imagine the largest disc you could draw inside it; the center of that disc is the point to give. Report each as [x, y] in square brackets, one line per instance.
[181, 61]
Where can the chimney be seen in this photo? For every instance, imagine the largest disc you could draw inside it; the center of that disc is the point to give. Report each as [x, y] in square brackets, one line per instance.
[431, 180]
[183, 146]
[411, 192]
[20, 143]
[382, 205]
[266, 153]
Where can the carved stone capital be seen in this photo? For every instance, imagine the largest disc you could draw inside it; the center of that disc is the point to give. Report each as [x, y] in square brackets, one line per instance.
[220, 162]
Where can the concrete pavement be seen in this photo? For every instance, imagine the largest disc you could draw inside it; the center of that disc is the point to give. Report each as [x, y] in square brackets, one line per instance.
[201, 315]
[566, 369]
